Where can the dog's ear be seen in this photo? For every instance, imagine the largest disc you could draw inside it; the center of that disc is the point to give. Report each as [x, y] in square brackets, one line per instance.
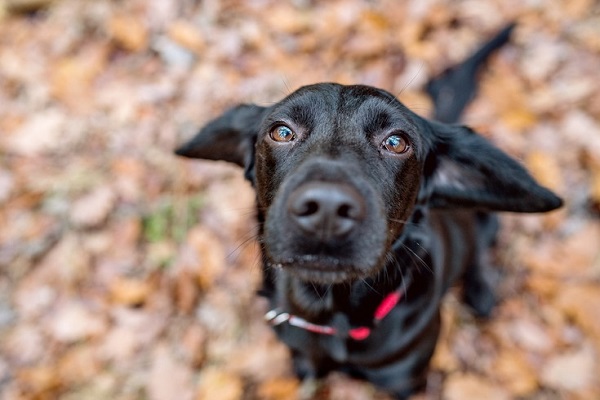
[464, 170]
[230, 137]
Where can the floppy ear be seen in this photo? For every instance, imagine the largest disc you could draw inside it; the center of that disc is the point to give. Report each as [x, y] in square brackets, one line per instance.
[230, 137]
[464, 170]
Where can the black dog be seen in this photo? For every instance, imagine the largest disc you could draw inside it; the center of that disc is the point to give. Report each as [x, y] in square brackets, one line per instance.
[368, 214]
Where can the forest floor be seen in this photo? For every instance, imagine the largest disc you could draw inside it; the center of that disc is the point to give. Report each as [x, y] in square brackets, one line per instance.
[128, 273]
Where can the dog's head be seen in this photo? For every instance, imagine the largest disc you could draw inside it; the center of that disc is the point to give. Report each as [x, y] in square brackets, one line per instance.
[339, 171]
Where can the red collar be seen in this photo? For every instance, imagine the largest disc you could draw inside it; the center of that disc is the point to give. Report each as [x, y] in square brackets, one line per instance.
[275, 317]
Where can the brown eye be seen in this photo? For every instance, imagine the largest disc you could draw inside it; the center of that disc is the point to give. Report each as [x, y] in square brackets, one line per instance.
[396, 144]
[282, 134]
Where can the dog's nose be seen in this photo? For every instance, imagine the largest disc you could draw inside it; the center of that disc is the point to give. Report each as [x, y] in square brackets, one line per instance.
[326, 210]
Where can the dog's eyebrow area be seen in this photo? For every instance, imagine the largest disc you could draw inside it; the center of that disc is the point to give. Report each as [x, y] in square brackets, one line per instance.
[380, 114]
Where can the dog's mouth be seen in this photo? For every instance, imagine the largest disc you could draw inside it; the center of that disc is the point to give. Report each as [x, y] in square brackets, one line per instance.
[318, 269]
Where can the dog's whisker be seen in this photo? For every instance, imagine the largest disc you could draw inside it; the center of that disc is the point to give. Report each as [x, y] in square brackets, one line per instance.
[370, 286]
[414, 255]
[249, 238]
[411, 80]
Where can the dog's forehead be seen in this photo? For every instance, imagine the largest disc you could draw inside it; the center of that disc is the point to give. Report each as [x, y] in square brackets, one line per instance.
[326, 102]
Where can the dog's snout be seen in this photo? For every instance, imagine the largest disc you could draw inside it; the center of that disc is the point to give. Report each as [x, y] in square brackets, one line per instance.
[326, 210]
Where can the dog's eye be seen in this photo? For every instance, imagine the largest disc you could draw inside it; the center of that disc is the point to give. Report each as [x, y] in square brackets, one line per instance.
[282, 133]
[396, 144]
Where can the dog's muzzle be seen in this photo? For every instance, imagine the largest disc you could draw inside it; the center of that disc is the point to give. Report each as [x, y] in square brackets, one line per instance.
[326, 211]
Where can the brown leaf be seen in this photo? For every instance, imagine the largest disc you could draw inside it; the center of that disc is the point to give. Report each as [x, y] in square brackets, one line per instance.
[187, 35]
[531, 336]
[576, 256]
[74, 321]
[93, 209]
[26, 344]
[72, 77]
[43, 381]
[193, 344]
[575, 371]
[39, 134]
[219, 384]
[120, 344]
[79, 365]
[515, 373]
[7, 185]
[581, 303]
[129, 292]
[128, 32]
[207, 257]
[461, 386]
[545, 169]
[186, 291]
[278, 389]
[168, 379]
[507, 93]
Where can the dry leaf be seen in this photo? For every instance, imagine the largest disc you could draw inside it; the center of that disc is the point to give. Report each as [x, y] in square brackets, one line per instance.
[574, 371]
[73, 322]
[72, 77]
[168, 379]
[193, 344]
[120, 344]
[460, 386]
[582, 304]
[515, 373]
[78, 366]
[531, 336]
[7, 185]
[43, 381]
[93, 208]
[219, 384]
[128, 32]
[187, 35]
[129, 292]
[40, 133]
[545, 169]
[209, 255]
[278, 389]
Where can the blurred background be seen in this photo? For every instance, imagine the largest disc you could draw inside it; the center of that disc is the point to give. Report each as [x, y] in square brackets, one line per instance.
[126, 273]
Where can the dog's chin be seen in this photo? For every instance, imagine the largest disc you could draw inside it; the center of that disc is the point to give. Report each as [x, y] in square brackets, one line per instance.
[323, 270]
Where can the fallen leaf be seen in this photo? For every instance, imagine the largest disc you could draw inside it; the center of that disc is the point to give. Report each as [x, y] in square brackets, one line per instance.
[461, 386]
[119, 344]
[574, 371]
[208, 260]
[79, 365]
[186, 291]
[545, 169]
[581, 303]
[128, 32]
[40, 133]
[342, 388]
[72, 77]
[531, 336]
[7, 185]
[169, 379]
[129, 292]
[515, 373]
[39, 381]
[73, 322]
[187, 35]
[219, 384]
[93, 209]
[25, 344]
[193, 344]
[278, 389]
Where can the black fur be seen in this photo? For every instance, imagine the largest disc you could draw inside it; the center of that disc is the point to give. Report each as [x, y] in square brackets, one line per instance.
[345, 221]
